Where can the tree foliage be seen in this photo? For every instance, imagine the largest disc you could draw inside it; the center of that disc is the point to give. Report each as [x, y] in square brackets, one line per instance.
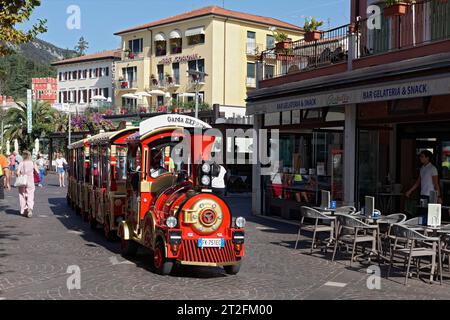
[13, 12]
[16, 123]
[81, 47]
[16, 73]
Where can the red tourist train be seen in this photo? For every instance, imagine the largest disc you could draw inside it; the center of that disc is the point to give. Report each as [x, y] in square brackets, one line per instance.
[168, 203]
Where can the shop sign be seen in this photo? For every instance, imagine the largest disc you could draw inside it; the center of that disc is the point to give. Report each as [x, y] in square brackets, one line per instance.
[179, 59]
[171, 120]
[393, 91]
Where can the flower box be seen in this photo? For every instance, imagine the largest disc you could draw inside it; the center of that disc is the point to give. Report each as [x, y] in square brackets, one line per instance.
[283, 45]
[313, 36]
[397, 9]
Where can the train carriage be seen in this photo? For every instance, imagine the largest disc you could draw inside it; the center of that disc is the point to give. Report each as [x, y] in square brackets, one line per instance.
[171, 209]
[108, 180]
[78, 160]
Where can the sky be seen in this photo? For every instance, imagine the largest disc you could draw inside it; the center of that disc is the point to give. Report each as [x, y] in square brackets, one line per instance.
[100, 19]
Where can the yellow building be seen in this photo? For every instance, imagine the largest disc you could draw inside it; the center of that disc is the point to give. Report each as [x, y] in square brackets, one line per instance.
[222, 43]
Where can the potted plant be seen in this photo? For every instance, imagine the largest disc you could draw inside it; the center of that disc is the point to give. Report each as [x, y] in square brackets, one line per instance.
[282, 40]
[395, 8]
[311, 29]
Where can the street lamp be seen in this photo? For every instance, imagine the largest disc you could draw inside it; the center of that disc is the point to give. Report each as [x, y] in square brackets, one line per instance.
[196, 76]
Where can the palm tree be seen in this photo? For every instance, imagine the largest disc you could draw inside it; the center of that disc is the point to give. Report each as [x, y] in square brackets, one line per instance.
[43, 123]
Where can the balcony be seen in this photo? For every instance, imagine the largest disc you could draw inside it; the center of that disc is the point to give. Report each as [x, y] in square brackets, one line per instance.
[253, 49]
[127, 56]
[300, 56]
[423, 30]
[194, 79]
[125, 84]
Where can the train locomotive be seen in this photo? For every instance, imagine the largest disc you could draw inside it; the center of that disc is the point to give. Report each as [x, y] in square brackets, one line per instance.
[171, 208]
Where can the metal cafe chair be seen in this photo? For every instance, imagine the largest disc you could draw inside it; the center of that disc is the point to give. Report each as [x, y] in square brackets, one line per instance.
[362, 233]
[417, 246]
[318, 226]
[385, 223]
[346, 210]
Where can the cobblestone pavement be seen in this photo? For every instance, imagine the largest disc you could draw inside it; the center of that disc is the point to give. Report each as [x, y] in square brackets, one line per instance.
[36, 253]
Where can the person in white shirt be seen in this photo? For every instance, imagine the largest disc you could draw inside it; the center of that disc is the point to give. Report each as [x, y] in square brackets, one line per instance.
[60, 163]
[428, 179]
[218, 183]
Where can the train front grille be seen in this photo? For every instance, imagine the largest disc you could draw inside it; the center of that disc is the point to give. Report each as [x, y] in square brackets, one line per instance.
[192, 253]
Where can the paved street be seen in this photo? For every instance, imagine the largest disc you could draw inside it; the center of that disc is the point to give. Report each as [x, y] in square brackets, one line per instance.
[35, 254]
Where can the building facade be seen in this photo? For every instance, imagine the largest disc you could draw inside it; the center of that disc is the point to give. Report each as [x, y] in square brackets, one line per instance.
[83, 78]
[45, 89]
[223, 44]
[354, 109]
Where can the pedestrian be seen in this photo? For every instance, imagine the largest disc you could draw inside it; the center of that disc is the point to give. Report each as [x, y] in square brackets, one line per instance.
[26, 193]
[41, 166]
[428, 179]
[5, 172]
[12, 163]
[218, 181]
[60, 169]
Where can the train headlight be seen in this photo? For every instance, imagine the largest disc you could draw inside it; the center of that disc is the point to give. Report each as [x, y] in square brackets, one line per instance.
[240, 222]
[171, 222]
[206, 168]
[206, 180]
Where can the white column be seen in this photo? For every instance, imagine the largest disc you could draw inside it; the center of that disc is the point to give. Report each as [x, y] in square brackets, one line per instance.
[256, 168]
[350, 154]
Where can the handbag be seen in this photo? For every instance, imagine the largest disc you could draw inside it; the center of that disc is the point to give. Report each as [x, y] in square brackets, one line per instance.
[36, 176]
[21, 181]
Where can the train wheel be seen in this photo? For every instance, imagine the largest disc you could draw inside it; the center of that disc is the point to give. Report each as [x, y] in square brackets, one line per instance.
[160, 262]
[233, 269]
[92, 221]
[128, 248]
[109, 234]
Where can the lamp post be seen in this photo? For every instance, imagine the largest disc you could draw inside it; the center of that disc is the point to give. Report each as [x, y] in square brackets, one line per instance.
[196, 76]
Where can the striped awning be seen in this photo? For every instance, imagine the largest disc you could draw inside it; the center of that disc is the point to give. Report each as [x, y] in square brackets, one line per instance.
[160, 37]
[175, 34]
[195, 31]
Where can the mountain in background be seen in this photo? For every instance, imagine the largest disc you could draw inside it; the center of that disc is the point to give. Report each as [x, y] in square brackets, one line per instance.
[43, 52]
[31, 60]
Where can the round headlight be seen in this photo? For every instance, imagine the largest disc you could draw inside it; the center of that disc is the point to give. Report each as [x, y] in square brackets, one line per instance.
[206, 168]
[240, 222]
[171, 222]
[206, 180]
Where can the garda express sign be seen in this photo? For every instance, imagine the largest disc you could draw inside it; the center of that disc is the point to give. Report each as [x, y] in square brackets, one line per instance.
[171, 120]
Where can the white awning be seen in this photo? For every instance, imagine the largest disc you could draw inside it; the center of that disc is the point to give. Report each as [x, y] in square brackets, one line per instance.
[130, 96]
[160, 37]
[195, 31]
[175, 34]
[191, 95]
[157, 92]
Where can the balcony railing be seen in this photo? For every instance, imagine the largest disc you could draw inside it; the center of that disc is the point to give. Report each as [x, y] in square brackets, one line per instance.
[132, 55]
[253, 49]
[424, 22]
[302, 56]
[125, 84]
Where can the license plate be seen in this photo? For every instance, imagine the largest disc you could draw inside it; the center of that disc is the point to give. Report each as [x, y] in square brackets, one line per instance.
[211, 243]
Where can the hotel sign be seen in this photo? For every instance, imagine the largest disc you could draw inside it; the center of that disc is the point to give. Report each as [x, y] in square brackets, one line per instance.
[179, 59]
[395, 90]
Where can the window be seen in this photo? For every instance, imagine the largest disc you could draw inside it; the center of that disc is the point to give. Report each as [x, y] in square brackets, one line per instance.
[176, 45]
[130, 75]
[251, 41]
[106, 93]
[107, 71]
[160, 73]
[176, 72]
[136, 45]
[251, 75]
[197, 39]
[197, 65]
[161, 49]
[270, 42]
[269, 71]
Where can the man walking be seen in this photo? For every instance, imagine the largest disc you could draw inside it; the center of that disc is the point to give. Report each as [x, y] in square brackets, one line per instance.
[428, 179]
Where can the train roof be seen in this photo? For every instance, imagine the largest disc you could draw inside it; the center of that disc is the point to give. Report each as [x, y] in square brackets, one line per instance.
[109, 136]
[157, 123]
[78, 144]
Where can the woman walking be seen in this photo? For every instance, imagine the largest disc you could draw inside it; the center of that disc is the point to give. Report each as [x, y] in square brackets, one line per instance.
[26, 193]
[41, 166]
[60, 162]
